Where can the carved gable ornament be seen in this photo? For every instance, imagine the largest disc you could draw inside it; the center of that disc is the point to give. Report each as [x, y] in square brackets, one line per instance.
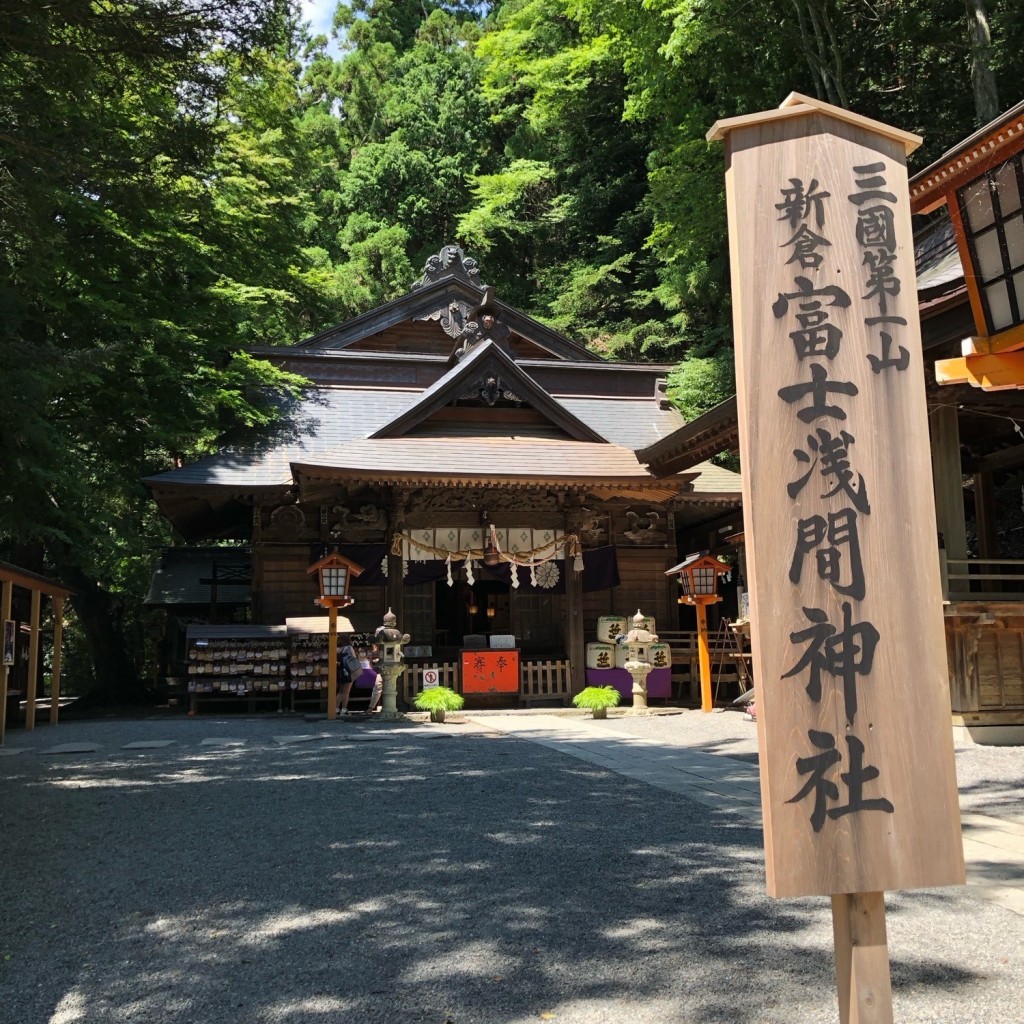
[451, 261]
[489, 390]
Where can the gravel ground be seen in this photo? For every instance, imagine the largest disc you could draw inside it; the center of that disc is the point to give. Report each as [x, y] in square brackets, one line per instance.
[991, 779]
[426, 875]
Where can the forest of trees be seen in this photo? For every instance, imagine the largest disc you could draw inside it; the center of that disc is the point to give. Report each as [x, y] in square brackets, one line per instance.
[181, 179]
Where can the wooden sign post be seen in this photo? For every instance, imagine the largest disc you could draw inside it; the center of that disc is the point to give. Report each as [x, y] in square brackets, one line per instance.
[858, 782]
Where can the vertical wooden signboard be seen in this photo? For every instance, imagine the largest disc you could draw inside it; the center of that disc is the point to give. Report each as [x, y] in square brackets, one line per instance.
[858, 782]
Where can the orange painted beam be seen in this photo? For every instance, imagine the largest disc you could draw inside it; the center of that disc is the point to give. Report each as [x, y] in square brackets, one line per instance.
[990, 373]
[1010, 340]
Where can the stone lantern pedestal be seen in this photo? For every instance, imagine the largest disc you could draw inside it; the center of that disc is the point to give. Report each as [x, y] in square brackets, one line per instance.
[391, 640]
[638, 644]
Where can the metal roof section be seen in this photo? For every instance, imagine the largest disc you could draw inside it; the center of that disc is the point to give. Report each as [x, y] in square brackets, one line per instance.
[179, 578]
[484, 361]
[235, 631]
[631, 422]
[321, 420]
[715, 431]
[513, 457]
[716, 482]
[329, 417]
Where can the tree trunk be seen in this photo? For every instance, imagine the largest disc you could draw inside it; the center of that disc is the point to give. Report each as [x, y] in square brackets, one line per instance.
[986, 98]
[115, 678]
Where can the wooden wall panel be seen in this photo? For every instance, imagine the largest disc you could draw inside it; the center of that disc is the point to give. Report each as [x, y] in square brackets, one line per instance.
[286, 589]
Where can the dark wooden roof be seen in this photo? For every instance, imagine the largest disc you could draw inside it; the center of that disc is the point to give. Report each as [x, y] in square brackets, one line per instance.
[487, 359]
[33, 581]
[386, 402]
[714, 432]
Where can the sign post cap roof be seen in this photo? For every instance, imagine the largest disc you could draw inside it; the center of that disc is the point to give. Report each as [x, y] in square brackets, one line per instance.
[798, 105]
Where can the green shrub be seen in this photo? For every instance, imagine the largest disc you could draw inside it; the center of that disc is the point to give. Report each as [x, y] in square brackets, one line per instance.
[594, 698]
[439, 698]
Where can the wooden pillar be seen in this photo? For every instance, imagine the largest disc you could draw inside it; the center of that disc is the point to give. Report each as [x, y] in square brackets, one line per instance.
[862, 958]
[985, 515]
[707, 704]
[33, 662]
[396, 585]
[574, 647]
[332, 662]
[6, 602]
[58, 637]
[949, 487]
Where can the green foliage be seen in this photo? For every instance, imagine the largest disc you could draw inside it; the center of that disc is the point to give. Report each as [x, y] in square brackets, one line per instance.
[700, 382]
[180, 180]
[150, 153]
[439, 698]
[593, 698]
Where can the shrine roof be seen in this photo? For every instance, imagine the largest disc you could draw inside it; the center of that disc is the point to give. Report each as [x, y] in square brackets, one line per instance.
[487, 358]
[327, 417]
[496, 456]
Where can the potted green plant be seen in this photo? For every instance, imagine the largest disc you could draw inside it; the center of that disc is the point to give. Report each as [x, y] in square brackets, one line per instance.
[437, 700]
[597, 699]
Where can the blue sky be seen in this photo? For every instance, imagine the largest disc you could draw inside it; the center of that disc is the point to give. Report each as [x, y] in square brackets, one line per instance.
[319, 13]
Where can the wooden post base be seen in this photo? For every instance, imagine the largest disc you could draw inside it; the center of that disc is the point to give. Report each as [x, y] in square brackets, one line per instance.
[862, 958]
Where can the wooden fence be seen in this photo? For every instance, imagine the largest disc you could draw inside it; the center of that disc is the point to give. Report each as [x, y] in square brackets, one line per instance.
[539, 681]
[544, 681]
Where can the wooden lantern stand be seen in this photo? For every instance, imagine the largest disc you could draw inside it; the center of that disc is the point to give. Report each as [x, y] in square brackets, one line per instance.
[335, 572]
[701, 602]
[698, 576]
[332, 604]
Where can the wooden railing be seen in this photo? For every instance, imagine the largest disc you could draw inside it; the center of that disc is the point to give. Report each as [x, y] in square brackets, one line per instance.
[725, 670]
[538, 681]
[410, 682]
[544, 681]
[981, 579]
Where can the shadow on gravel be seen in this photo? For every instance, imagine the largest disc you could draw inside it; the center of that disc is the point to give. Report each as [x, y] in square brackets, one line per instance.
[477, 879]
[1001, 798]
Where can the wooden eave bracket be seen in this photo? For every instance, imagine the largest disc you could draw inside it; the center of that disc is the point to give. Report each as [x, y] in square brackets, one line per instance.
[1004, 372]
[1010, 340]
[798, 105]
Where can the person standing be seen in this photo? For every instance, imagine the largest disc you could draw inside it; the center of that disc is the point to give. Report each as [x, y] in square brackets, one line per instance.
[349, 667]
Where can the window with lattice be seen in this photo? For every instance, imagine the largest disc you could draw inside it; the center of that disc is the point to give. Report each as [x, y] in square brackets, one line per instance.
[538, 620]
[418, 613]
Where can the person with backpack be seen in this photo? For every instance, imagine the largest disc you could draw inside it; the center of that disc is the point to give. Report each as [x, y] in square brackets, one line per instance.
[349, 670]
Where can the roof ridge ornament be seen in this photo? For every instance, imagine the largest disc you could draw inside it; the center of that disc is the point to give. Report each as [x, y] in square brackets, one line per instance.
[451, 261]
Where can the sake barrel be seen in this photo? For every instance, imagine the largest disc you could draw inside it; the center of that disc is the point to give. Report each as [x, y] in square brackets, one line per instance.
[600, 656]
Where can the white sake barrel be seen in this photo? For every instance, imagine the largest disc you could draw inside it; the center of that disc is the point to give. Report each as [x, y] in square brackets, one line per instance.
[660, 655]
[609, 627]
[600, 656]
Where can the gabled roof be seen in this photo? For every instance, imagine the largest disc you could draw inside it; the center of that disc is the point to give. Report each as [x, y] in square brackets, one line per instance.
[486, 359]
[430, 302]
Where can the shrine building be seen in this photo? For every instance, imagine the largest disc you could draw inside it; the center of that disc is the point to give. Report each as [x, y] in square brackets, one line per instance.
[478, 466]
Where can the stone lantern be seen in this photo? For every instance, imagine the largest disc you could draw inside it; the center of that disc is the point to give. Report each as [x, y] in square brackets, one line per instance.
[638, 646]
[390, 640]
